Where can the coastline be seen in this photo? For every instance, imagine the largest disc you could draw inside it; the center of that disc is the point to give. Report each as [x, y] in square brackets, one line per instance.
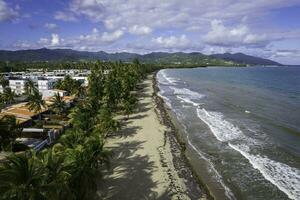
[178, 145]
[196, 165]
[147, 163]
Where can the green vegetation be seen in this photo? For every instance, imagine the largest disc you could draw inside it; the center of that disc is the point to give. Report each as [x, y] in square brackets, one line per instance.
[36, 102]
[68, 84]
[71, 168]
[9, 130]
[58, 105]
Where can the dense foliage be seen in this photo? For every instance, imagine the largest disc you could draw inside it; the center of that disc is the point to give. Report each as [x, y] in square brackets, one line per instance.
[72, 167]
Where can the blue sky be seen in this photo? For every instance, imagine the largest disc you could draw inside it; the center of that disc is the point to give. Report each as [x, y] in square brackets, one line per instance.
[265, 28]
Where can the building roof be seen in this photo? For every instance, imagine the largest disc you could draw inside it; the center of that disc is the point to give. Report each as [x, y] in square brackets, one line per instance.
[21, 112]
[58, 90]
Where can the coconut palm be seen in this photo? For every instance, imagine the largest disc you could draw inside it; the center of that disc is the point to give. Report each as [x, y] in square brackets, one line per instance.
[9, 129]
[8, 95]
[30, 87]
[83, 117]
[72, 138]
[85, 161]
[129, 104]
[57, 178]
[21, 177]
[36, 103]
[106, 124]
[58, 104]
[3, 82]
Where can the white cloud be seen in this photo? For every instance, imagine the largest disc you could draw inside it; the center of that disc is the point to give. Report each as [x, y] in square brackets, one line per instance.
[172, 42]
[174, 13]
[93, 9]
[286, 53]
[51, 26]
[6, 13]
[22, 45]
[236, 36]
[99, 38]
[43, 41]
[111, 37]
[55, 40]
[140, 30]
[63, 16]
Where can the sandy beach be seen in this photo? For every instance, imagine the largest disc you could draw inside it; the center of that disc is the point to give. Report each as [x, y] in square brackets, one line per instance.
[147, 161]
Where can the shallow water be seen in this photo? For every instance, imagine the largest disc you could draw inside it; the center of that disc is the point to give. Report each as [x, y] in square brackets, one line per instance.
[245, 122]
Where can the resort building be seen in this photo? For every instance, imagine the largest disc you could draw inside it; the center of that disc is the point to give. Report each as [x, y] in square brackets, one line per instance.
[50, 93]
[17, 85]
[45, 84]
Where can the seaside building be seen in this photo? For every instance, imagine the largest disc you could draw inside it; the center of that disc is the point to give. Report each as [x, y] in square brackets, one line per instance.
[17, 85]
[45, 84]
[50, 93]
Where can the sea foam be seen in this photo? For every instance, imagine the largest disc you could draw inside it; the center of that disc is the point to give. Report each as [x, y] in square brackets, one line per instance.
[284, 177]
[187, 95]
[163, 78]
[218, 177]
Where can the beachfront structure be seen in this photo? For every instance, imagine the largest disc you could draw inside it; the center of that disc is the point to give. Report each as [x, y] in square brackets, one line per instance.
[44, 81]
[17, 85]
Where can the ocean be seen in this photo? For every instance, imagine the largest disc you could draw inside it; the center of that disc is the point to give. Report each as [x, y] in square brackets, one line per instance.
[244, 123]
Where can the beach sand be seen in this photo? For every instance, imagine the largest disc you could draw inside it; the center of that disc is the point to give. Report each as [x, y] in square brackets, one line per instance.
[147, 161]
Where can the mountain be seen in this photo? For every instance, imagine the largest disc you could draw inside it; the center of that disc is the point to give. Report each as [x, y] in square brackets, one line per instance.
[245, 59]
[158, 58]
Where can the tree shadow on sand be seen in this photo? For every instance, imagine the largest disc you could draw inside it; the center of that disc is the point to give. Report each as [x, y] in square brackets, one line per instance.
[132, 175]
[125, 132]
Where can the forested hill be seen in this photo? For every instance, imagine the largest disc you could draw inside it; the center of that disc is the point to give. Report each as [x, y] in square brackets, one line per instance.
[159, 58]
[246, 59]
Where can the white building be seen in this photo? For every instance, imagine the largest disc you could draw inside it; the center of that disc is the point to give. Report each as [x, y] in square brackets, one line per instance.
[51, 93]
[17, 85]
[45, 84]
[82, 79]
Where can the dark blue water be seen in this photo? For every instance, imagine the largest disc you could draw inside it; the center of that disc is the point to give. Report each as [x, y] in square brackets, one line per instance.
[245, 122]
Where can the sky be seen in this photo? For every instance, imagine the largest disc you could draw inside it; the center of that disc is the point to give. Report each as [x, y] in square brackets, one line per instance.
[264, 28]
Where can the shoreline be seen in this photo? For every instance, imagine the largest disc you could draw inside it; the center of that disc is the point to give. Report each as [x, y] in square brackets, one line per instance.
[147, 163]
[197, 165]
[178, 142]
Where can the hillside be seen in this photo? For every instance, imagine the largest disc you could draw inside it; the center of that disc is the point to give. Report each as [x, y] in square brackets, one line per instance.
[158, 58]
[245, 59]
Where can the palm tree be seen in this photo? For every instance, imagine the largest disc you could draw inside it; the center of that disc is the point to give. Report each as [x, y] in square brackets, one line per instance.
[9, 129]
[80, 91]
[106, 124]
[57, 178]
[85, 161]
[72, 138]
[30, 87]
[21, 177]
[8, 95]
[58, 103]
[129, 104]
[36, 103]
[3, 82]
[82, 117]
